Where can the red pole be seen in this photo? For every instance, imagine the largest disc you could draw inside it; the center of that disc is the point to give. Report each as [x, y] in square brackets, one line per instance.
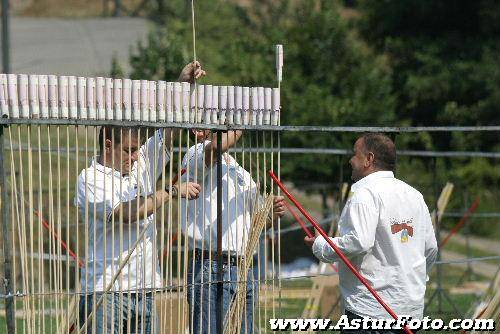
[304, 227]
[65, 246]
[336, 249]
[297, 218]
[462, 221]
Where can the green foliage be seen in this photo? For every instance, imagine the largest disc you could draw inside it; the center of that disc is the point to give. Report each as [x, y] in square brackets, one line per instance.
[331, 77]
[445, 57]
[412, 62]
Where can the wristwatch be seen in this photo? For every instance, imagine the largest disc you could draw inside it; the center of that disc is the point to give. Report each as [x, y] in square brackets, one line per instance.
[175, 191]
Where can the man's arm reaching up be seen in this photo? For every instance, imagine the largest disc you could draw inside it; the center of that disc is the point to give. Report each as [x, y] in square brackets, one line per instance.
[228, 140]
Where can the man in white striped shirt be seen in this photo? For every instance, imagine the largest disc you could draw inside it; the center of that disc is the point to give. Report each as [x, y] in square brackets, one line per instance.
[386, 232]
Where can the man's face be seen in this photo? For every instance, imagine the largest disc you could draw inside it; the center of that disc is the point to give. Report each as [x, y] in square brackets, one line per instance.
[360, 163]
[126, 152]
[201, 135]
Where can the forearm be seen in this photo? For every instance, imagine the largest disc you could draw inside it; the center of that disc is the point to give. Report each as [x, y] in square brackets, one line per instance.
[229, 139]
[141, 207]
[350, 245]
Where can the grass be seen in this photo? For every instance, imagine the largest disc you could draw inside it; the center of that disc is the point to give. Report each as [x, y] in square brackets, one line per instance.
[296, 283]
[454, 246]
[293, 307]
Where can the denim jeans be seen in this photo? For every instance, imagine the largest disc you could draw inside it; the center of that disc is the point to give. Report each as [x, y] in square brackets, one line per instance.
[120, 315]
[202, 298]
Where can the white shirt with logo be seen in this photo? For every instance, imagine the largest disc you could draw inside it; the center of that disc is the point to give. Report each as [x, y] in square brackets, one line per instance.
[100, 190]
[386, 232]
[199, 217]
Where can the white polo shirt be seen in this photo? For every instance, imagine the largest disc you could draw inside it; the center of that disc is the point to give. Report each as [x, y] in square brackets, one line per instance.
[199, 217]
[386, 231]
[100, 190]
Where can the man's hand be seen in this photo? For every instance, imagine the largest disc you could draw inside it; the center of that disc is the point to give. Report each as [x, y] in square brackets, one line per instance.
[278, 207]
[309, 241]
[188, 190]
[191, 72]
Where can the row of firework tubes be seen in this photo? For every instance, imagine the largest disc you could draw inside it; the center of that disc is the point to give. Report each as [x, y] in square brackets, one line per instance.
[70, 97]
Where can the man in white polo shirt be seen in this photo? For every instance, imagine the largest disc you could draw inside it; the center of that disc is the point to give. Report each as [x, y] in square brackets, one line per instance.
[386, 231]
[199, 218]
[117, 198]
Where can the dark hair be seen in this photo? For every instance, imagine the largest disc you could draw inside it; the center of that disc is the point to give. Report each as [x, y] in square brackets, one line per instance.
[383, 149]
[113, 133]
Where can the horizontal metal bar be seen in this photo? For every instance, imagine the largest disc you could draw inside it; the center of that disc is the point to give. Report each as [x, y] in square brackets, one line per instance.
[467, 260]
[411, 153]
[286, 150]
[267, 280]
[283, 128]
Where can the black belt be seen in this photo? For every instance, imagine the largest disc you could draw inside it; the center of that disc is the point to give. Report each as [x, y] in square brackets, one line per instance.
[232, 259]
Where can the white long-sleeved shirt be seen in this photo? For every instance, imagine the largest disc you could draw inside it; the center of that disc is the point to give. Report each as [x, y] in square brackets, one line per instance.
[387, 234]
[100, 190]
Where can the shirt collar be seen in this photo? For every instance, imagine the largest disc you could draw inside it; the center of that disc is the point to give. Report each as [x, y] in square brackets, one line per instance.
[370, 177]
[104, 169]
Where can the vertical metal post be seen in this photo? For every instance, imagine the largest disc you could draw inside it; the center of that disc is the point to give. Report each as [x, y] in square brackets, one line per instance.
[469, 273]
[438, 237]
[220, 286]
[5, 37]
[7, 245]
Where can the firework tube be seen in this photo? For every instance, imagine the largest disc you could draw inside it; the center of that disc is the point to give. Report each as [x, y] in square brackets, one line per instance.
[336, 249]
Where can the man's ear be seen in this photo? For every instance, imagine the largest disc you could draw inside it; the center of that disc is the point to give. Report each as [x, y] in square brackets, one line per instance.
[370, 159]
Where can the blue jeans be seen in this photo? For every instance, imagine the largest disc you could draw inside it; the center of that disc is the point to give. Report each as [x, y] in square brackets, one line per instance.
[120, 315]
[202, 298]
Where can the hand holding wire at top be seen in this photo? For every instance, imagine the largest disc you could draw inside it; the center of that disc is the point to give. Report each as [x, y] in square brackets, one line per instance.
[191, 72]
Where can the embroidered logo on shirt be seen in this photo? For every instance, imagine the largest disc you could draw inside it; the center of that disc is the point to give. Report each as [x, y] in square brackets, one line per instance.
[404, 227]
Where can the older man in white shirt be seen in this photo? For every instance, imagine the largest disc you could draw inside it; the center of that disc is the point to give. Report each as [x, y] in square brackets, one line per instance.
[386, 231]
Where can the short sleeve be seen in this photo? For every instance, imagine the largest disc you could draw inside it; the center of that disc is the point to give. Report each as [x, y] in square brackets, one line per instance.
[95, 196]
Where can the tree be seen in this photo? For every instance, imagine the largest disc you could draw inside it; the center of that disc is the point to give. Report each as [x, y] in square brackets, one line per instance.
[331, 77]
[445, 60]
